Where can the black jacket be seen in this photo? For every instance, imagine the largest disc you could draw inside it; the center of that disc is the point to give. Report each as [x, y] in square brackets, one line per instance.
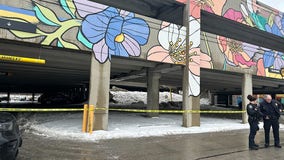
[254, 112]
[272, 110]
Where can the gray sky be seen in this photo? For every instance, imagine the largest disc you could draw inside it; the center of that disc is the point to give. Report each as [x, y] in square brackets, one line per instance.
[277, 4]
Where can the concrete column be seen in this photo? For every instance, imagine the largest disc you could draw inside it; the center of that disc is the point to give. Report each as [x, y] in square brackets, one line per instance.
[33, 97]
[188, 102]
[229, 101]
[195, 116]
[234, 100]
[210, 95]
[215, 99]
[8, 96]
[246, 90]
[191, 103]
[211, 98]
[99, 92]
[153, 86]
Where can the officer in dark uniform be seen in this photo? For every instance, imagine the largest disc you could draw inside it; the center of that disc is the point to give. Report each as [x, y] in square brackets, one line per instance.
[253, 119]
[271, 112]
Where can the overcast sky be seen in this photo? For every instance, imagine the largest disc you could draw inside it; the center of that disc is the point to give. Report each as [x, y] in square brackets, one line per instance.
[277, 4]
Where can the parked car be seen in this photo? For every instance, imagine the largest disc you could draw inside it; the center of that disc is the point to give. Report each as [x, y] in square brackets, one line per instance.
[54, 98]
[10, 137]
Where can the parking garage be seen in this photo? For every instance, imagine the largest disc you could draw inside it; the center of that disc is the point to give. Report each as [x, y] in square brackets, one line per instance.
[72, 69]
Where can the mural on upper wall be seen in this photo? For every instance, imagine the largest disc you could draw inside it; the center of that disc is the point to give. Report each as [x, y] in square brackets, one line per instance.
[236, 54]
[244, 11]
[172, 48]
[233, 55]
[83, 24]
[86, 25]
[106, 30]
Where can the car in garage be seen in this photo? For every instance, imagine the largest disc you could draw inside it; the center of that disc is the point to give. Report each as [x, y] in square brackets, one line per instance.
[10, 137]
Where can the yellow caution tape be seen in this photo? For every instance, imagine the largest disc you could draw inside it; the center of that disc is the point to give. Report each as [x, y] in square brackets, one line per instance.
[169, 111]
[21, 59]
[113, 109]
[40, 109]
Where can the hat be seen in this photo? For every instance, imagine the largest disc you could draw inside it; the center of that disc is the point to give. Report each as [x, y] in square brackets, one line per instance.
[251, 98]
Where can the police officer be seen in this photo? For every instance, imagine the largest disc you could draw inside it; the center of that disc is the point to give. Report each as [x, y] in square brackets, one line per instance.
[271, 112]
[253, 119]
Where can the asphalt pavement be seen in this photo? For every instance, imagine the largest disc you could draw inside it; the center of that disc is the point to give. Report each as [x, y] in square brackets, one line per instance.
[206, 146]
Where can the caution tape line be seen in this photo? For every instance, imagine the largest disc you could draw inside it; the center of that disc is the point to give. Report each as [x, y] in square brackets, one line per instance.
[113, 109]
[170, 111]
[40, 109]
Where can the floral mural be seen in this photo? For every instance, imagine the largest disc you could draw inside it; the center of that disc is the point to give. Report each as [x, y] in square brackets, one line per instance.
[237, 54]
[108, 31]
[105, 30]
[114, 33]
[172, 47]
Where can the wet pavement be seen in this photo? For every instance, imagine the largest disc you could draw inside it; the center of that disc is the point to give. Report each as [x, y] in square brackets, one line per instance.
[207, 146]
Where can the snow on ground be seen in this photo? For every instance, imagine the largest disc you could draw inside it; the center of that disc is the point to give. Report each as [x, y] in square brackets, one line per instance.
[125, 125]
[126, 97]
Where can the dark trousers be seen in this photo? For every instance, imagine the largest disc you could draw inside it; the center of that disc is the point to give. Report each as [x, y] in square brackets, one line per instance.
[275, 126]
[253, 129]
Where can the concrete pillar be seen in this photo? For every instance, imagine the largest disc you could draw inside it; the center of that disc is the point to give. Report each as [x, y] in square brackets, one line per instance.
[195, 116]
[234, 100]
[191, 103]
[229, 101]
[33, 97]
[215, 99]
[153, 86]
[209, 95]
[246, 90]
[99, 92]
[9, 97]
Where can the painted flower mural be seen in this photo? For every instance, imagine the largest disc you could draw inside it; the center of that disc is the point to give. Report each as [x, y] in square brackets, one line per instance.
[276, 25]
[106, 30]
[172, 50]
[114, 32]
[271, 64]
[238, 54]
[272, 59]
[250, 12]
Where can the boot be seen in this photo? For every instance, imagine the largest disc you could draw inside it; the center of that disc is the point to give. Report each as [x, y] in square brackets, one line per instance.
[253, 148]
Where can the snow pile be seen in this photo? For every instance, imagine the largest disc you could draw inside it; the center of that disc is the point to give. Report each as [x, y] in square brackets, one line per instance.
[127, 97]
[124, 97]
[125, 125]
[204, 101]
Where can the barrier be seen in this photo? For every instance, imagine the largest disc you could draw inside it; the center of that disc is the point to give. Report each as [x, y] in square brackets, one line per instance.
[85, 118]
[115, 109]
